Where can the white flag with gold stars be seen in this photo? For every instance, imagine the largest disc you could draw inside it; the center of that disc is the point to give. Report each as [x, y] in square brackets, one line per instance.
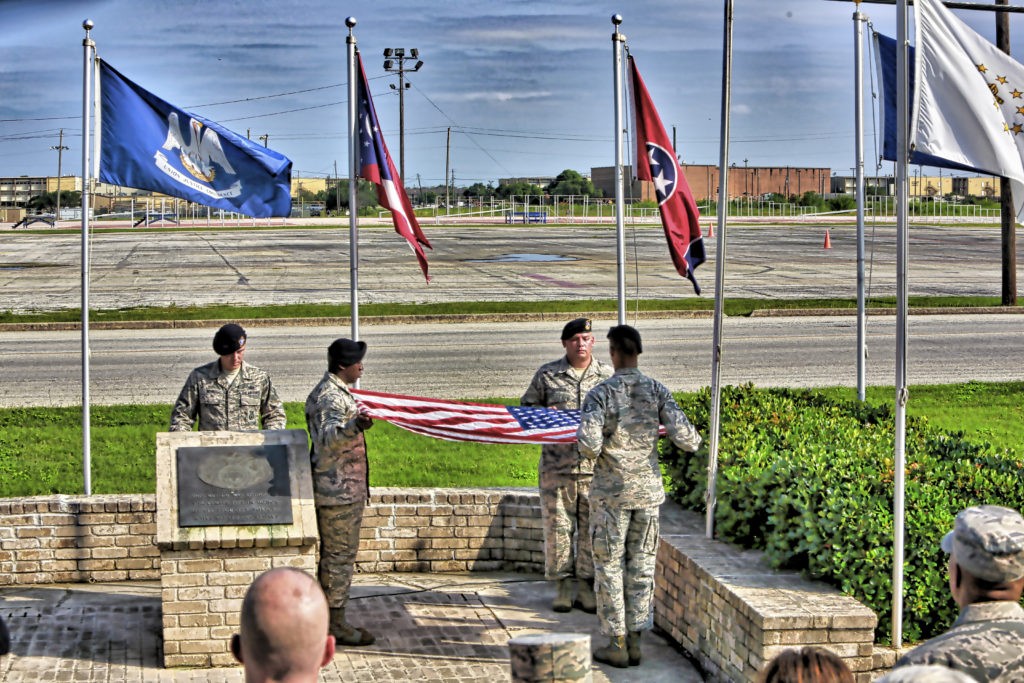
[970, 98]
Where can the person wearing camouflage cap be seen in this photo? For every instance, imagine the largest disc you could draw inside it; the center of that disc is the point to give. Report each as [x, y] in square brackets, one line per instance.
[341, 479]
[619, 431]
[564, 478]
[986, 579]
[228, 394]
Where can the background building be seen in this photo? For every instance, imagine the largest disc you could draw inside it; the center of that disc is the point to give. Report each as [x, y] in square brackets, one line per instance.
[744, 181]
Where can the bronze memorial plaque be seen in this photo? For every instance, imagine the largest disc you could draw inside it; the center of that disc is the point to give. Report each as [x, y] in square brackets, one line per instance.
[233, 485]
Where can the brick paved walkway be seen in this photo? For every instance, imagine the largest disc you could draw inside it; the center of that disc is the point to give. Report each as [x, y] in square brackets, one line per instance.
[429, 627]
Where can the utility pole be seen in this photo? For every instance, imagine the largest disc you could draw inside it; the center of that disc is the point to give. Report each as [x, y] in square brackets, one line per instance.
[394, 62]
[1006, 214]
[447, 165]
[60, 153]
[337, 188]
[265, 139]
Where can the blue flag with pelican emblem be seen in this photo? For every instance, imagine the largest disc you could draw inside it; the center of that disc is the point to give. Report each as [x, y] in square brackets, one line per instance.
[149, 144]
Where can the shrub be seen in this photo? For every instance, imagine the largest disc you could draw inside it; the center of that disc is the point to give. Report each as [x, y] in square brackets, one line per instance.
[810, 482]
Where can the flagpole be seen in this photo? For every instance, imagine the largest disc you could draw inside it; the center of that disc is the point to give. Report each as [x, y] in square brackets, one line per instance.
[859, 20]
[353, 174]
[723, 208]
[89, 49]
[620, 231]
[899, 461]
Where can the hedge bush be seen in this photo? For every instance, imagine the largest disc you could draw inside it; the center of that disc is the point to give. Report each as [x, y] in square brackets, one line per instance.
[810, 482]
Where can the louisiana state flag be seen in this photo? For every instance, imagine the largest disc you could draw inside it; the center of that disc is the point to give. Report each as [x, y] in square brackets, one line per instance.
[656, 162]
[149, 144]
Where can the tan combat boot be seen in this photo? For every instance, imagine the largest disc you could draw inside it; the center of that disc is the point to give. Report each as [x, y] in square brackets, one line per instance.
[614, 653]
[585, 598]
[563, 596]
[633, 647]
[346, 634]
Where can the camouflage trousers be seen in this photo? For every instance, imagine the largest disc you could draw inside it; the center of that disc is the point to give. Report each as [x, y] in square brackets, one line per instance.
[339, 542]
[625, 549]
[565, 511]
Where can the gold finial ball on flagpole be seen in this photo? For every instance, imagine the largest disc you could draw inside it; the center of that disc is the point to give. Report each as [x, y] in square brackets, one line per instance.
[616, 19]
[350, 22]
[88, 24]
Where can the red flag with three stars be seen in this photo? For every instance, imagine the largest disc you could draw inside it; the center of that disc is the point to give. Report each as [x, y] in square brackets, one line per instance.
[656, 161]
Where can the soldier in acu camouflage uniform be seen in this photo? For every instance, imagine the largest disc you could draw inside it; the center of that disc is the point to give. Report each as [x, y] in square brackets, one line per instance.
[228, 394]
[986, 579]
[619, 431]
[564, 477]
[341, 479]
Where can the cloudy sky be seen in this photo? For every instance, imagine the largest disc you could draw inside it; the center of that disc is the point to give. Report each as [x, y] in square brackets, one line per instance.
[524, 85]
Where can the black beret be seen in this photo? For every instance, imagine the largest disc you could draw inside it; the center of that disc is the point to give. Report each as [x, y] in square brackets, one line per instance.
[228, 339]
[574, 327]
[346, 352]
[621, 333]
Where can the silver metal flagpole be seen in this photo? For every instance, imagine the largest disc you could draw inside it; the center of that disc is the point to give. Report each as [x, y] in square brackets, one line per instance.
[723, 209]
[89, 49]
[899, 463]
[858, 112]
[353, 174]
[620, 231]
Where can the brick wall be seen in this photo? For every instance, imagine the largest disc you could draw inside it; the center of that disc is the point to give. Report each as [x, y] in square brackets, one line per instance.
[68, 539]
[446, 530]
[202, 593]
[722, 604]
[65, 539]
[733, 613]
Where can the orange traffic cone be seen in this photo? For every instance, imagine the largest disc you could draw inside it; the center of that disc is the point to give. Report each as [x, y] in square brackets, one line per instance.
[828, 242]
[711, 230]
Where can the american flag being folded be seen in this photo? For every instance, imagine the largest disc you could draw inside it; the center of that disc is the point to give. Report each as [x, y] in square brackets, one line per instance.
[463, 421]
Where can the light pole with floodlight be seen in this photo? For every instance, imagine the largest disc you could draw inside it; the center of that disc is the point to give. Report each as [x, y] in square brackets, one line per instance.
[394, 62]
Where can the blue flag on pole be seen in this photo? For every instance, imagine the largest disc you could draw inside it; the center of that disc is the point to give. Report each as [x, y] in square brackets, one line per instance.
[966, 96]
[149, 144]
[885, 52]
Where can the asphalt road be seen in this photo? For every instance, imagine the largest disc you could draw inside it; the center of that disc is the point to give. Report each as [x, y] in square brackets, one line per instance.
[497, 359]
[495, 263]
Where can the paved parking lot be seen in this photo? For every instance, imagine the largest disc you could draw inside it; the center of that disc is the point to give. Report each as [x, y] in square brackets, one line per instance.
[492, 263]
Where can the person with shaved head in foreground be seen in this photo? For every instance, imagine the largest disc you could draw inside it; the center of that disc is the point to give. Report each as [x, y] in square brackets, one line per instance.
[283, 636]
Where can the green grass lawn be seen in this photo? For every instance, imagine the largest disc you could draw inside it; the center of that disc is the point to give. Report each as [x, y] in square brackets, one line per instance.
[734, 307]
[41, 449]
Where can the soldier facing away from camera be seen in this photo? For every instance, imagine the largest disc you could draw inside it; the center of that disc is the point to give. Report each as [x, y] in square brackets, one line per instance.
[619, 429]
[986, 579]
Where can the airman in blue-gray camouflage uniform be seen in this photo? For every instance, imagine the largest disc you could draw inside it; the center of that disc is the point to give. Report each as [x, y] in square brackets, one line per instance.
[228, 394]
[619, 430]
[341, 479]
[564, 478]
[986, 579]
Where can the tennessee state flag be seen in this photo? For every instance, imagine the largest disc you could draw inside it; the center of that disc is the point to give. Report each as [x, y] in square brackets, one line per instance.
[376, 166]
[656, 162]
